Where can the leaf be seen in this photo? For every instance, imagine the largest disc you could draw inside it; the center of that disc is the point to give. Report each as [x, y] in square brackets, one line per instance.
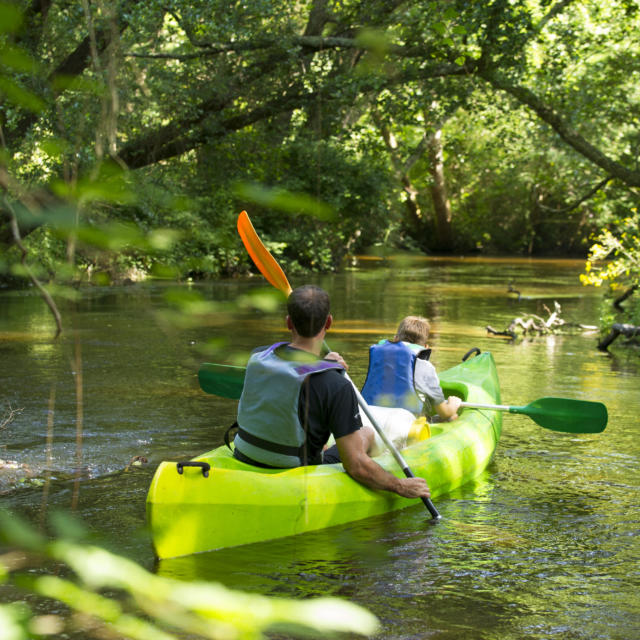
[208, 602]
[62, 217]
[450, 13]
[67, 526]
[54, 147]
[16, 58]
[439, 27]
[163, 239]
[63, 82]
[13, 621]
[21, 96]
[268, 300]
[10, 17]
[283, 200]
[373, 40]
[15, 532]
[97, 190]
[190, 302]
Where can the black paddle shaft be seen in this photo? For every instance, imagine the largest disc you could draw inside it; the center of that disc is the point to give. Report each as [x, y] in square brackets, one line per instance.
[427, 503]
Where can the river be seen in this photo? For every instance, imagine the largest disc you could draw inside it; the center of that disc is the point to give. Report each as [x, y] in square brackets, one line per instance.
[543, 545]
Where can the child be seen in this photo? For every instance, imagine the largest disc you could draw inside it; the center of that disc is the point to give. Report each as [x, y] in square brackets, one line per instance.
[400, 374]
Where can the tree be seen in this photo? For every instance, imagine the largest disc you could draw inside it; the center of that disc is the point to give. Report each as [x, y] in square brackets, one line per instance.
[204, 94]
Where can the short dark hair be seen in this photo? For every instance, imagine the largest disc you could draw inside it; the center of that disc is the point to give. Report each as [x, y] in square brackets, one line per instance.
[308, 307]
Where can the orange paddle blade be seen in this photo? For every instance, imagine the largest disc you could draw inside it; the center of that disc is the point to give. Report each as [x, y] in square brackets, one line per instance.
[260, 255]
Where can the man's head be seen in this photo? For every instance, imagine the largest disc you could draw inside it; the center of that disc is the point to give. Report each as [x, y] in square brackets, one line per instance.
[414, 329]
[308, 309]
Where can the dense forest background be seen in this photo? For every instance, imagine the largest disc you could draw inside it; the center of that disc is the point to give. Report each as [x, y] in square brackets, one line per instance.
[133, 133]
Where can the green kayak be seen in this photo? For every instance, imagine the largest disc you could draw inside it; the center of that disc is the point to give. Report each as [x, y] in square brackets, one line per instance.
[221, 502]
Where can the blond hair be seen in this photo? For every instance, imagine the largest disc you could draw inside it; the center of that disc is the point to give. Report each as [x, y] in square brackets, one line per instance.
[414, 329]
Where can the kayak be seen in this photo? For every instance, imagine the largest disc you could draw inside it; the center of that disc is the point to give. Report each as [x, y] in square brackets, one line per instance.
[215, 501]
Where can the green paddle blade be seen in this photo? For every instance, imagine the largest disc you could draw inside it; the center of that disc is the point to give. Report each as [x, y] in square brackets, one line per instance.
[564, 414]
[223, 380]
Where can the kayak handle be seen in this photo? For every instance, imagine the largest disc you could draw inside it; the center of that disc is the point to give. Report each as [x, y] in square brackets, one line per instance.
[472, 352]
[205, 466]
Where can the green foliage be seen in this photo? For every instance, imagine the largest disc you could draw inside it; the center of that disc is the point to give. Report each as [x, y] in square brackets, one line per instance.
[285, 201]
[615, 256]
[614, 262]
[504, 205]
[109, 594]
[301, 231]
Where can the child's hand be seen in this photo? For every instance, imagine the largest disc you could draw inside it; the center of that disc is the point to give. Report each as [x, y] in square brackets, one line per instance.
[454, 402]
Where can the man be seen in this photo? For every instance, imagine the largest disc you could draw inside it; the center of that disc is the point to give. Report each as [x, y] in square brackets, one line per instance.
[293, 401]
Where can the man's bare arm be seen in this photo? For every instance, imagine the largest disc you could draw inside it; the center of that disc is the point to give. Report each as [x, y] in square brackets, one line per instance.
[362, 468]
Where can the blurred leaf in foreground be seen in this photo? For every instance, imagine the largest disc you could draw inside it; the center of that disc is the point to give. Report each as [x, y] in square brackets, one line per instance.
[151, 605]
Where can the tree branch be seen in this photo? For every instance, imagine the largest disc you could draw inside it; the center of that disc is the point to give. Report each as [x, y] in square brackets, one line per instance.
[566, 133]
[72, 66]
[627, 330]
[165, 143]
[43, 292]
[617, 303]
[4, 421]
[584, 198]
[179, 137]
[555, 10]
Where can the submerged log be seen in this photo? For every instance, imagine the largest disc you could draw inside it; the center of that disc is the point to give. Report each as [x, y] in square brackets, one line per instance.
[626, 330]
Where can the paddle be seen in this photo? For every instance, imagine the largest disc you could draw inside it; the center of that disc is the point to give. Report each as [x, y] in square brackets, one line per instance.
[271, 270]
[558, 414]
[223, 380]
[260, 255]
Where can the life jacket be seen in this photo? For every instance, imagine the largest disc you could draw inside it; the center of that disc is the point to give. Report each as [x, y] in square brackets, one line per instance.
[269, 429]
[389, 380]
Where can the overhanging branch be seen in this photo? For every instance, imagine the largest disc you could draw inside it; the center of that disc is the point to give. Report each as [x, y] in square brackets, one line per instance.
[579, 201]
[566, 133]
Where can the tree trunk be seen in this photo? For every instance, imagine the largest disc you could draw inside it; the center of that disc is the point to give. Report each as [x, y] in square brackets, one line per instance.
[401, 169]
[441, 204]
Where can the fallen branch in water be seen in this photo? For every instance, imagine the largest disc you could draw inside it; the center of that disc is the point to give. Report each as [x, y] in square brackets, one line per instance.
[9, 418]
[531, 323]
[626, 330]
[507, 333]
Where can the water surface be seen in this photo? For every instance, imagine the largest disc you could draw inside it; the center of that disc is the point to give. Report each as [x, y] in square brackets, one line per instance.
[542, 545]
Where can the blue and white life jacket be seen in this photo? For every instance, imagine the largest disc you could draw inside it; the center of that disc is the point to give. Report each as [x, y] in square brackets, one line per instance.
[269, 427]
[389, 380]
